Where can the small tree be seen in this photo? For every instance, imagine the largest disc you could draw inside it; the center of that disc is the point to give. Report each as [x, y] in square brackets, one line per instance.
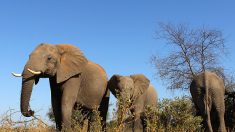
[195, 50]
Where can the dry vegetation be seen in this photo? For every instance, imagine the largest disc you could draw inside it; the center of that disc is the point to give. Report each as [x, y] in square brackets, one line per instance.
[171, 115]
[35, 124]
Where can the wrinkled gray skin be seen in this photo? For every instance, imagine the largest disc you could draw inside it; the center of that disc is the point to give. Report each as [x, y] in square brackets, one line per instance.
[212, 108]
[137, 89]
[73, 80]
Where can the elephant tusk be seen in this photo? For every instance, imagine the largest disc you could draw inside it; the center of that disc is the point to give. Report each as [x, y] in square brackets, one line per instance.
[34, 72]
[16, 75]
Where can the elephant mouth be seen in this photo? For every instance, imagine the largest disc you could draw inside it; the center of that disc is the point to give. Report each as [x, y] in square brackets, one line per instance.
[42, 75]
[36, 80]
[36, 74]
[39, 74]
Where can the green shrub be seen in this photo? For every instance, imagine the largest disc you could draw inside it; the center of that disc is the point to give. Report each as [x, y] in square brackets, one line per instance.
[171, 115]
[178, 115]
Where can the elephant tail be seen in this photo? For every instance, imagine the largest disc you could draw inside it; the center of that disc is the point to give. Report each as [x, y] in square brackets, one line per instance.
[206, 94]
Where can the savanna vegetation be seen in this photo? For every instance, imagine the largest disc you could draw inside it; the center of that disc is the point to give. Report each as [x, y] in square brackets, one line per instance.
[171, 115]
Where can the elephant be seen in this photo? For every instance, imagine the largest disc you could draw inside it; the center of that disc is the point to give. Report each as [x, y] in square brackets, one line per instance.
[207, 90]
[74, 80]
[137, 90]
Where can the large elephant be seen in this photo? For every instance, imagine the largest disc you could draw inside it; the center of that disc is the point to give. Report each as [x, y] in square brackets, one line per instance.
[207, 90]
[74, 80]
[137, 90]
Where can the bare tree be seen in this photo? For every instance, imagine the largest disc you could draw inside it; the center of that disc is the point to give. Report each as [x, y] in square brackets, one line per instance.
[195, 50]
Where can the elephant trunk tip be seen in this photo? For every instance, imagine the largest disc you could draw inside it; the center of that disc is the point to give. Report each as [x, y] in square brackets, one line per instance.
[27, 113]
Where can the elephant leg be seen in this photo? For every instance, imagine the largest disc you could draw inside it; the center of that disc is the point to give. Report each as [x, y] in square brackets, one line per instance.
[220, 110]
[208, 119]
[85, 115]
[138, 112]
[67, 104]
[204, 110]
[57, 110]
[103, 108]
[129, 124]
[143, 120]
[69, 96]
[56, 103]
[222, 127]
[138, 125]
[198, 113]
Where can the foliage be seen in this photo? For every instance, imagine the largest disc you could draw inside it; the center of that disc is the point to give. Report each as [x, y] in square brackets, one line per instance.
[229, 84]
[230, 103]
[178, 115]
[171, 115]
[152, 119]
[96, 125]
[229, 113]
[120, 115]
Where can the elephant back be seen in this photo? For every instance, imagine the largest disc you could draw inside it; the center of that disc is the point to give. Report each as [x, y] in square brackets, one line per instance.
[207, 80]
[151, 96]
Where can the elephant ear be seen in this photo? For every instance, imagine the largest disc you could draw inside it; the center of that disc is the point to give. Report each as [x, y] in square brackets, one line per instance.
[113, 84]
[141, 84]
[71, 63]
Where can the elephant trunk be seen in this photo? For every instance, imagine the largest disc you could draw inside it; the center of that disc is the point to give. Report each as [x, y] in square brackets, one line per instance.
[27, 86]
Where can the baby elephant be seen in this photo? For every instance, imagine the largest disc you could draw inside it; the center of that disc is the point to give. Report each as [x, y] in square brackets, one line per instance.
[136, 90]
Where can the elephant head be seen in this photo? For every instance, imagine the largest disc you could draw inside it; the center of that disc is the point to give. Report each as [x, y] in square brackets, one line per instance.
[59, 61]
[129, 88]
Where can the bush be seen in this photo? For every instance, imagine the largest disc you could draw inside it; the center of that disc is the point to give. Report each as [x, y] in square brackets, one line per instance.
[178, 115]
[170, 115]
[229, 113]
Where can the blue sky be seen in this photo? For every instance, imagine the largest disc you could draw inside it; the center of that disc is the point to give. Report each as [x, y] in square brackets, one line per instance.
[119, 35]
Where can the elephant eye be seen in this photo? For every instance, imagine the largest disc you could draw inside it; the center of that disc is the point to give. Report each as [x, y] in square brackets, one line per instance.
[49, 57]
